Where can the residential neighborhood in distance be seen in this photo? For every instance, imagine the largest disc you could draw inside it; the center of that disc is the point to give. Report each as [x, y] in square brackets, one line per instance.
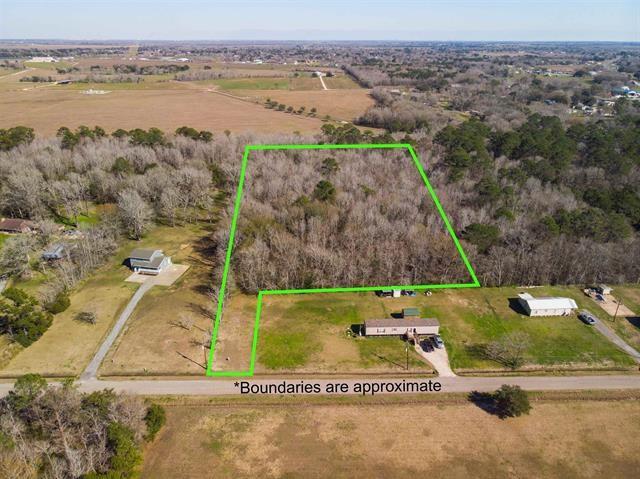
[319, 240]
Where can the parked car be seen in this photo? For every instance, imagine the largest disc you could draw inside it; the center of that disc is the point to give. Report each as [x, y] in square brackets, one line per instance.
[408, 292]
[438, 342]
[599, 297]
[587, 318]
[426, 346]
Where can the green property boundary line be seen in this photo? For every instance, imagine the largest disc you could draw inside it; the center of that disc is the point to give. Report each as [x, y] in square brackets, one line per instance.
[234, 221]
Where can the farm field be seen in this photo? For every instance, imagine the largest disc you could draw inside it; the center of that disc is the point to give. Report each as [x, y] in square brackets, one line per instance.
[67, 346]
[564, 438]
[313, 329]
[46, 109]
[343, 104]
[154, 342]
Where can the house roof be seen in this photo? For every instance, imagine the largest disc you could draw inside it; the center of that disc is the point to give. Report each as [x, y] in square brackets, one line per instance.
[153, 263]
[400, 323]
[548, 302]
[15, 224]
[144, 254]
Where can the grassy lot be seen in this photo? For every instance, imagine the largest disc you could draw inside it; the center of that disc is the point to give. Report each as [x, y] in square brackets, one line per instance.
[308, 332]
[47, 65]
[472, 318]
[344, 104]
[340, 82]
[276, 83]
[627, 328]
[68, 345]
[153, 341]
[568, 439]
[3, 238]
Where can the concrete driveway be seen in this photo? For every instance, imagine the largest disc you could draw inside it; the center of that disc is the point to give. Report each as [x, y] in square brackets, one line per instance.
[617, 340]
[439, 359]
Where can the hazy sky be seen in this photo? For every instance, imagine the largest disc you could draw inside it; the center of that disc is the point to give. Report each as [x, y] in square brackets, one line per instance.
[322, 19]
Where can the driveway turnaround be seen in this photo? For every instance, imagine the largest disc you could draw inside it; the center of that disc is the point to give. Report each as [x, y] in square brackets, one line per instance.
[92, 369]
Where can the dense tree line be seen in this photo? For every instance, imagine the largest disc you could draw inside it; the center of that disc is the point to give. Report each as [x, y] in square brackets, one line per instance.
[344, 218]
[546, 203]
[58, 432]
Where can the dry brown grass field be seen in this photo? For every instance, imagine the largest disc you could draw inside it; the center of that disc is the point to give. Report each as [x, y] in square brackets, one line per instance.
[448, 439]
[46, 109]
[154, 342]
[68, 345]
[341, 104]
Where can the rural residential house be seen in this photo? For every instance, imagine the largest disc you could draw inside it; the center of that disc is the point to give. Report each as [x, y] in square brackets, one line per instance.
[148, 261]
[15, 225]
[547, 306]
[400, 326]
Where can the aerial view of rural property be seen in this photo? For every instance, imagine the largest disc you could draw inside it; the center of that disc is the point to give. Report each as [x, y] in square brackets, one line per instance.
[341, 239]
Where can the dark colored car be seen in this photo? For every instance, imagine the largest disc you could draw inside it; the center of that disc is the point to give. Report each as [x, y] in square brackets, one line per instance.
[426, 346]
[587, 318]
[408, 292]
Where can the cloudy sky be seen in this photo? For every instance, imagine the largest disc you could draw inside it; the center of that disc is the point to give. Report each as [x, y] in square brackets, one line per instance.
[616, 20]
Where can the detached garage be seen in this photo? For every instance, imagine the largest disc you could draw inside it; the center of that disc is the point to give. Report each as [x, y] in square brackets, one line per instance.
[547, 306]
[400, 326]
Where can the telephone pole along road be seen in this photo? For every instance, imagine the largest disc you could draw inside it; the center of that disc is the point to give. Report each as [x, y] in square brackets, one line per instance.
[224, 387]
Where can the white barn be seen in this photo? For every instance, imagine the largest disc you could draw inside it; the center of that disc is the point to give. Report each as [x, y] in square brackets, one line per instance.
[400, 326]
[547, 306]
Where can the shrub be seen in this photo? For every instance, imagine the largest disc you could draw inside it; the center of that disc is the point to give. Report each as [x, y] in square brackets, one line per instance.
[86, 317]
[59, 304]
[511, 401]
[154, 419]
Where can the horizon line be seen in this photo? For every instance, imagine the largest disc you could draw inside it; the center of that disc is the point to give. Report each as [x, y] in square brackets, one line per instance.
[88, 40]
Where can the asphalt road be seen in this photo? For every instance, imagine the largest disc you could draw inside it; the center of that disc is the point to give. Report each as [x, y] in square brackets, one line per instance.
[224, 387]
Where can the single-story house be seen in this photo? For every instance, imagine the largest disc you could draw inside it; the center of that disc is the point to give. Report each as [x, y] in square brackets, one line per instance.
[400, 326]
[410, 312]
[16, 225]
[547, 306]
[148, 261]
[54, 252]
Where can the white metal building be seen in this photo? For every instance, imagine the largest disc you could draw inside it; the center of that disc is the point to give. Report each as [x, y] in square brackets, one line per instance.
[400, 326]
[547, 306]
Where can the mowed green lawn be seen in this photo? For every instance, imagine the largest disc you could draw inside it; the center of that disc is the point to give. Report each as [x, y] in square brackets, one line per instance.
[472, 318]
[309, 331]
[3, 238]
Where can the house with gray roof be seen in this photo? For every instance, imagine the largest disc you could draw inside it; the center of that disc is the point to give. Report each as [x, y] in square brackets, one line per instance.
[148, 261]
[401, 326]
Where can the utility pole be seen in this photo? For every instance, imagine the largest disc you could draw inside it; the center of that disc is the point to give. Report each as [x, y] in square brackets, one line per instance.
[618, 303]
[406, 349]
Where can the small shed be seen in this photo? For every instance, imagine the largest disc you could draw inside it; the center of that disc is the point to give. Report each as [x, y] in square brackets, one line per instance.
[400, 326]
[54, 252]
[604, 289]
[410, 312]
